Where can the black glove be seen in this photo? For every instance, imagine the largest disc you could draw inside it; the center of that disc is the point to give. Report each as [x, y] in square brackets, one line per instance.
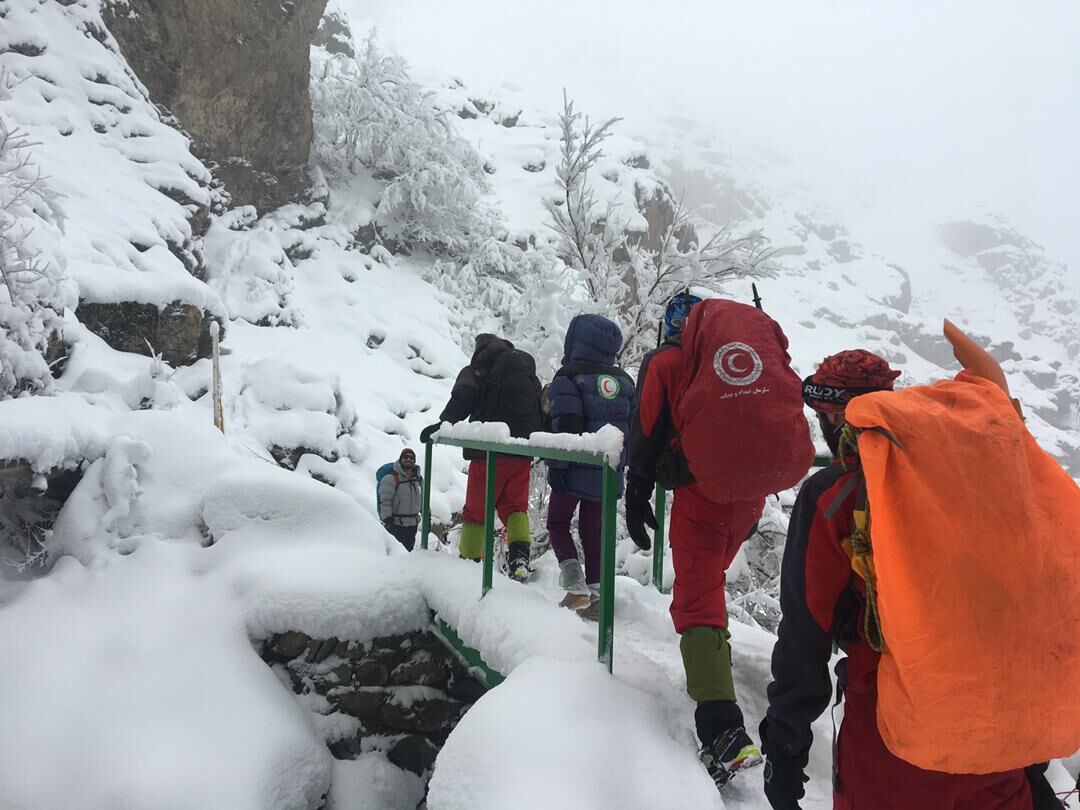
[426, 433]
[639, 512]
[388, 523]
[784, 775]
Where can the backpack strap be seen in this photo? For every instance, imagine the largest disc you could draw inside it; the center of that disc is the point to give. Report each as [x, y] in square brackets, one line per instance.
[862, 553]
[858, 544]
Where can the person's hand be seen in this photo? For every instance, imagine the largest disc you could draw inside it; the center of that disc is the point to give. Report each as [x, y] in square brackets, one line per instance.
[639, 512]
[426, 433]
[784, 780]
[388, 523]
[784, 784]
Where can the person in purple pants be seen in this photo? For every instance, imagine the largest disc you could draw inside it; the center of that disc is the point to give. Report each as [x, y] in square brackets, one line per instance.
[588, 392]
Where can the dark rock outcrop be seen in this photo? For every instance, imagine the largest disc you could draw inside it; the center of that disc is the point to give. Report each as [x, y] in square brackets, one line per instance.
[334, 35]
[414, 753]
[29, 505]
[399, 685]
[659, 209]
[235, 75]
[401, 695]
[179, 332]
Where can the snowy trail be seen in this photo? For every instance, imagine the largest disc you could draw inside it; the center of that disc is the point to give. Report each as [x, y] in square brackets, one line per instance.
[647, 658]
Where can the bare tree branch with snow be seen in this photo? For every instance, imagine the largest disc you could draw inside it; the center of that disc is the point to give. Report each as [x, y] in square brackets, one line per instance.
[587, 233]
[675, 266]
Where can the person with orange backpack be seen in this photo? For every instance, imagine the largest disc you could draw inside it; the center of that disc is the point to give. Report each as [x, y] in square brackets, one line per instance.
[718, 418]
[917, 733]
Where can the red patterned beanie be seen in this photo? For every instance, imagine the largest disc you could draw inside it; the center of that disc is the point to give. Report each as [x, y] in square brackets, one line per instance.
[845, 375]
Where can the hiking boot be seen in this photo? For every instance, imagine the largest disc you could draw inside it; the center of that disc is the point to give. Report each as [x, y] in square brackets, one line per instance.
[517, 562]
[572, 577]
[728, 754]
[575, 601]
[591, 612]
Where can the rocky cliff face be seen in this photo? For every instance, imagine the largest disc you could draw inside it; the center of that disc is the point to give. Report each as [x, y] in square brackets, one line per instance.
[236, 76]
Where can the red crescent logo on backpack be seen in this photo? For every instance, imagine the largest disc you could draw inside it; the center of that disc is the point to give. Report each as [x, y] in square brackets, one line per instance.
[737, 364]
[607, 386]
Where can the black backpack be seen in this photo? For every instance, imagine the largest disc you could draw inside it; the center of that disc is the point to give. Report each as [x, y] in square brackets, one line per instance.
[510, 393]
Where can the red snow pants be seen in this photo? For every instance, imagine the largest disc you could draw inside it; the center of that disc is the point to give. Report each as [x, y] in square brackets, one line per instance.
[870, 777]
[511, 488]
[705, 537]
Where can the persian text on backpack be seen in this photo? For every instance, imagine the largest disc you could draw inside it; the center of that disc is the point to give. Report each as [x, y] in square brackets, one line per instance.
[739, 414]
[970, 548]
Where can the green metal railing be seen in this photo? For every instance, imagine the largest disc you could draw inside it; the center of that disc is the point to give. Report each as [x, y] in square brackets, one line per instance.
[659, 539]
[605, 642]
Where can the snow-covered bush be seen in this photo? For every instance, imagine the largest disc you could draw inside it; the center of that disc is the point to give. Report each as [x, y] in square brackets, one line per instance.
[370, 113]
[249, 265]
[33, 291]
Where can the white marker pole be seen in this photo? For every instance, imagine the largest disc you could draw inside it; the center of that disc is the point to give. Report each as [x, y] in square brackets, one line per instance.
[219, 413]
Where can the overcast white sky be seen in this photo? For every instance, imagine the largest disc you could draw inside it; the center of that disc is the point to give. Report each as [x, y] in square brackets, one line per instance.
[937, 106]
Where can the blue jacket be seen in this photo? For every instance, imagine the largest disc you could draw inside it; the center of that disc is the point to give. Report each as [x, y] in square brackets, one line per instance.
[588, 392]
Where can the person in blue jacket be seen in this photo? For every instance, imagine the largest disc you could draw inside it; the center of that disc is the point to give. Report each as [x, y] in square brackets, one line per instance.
[588, 392]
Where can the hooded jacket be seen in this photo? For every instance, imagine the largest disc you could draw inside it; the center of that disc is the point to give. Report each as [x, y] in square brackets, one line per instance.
[588, 392]
[401, 496]
[468, 394]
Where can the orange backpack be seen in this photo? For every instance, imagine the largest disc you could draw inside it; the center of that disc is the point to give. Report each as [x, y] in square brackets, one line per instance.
[970, 547]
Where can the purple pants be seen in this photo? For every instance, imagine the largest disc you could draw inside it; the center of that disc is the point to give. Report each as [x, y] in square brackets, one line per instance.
[560, 512]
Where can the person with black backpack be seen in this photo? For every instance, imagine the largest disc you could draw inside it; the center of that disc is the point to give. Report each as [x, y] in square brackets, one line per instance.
[498, 385]
[719, 420]
[588, 392]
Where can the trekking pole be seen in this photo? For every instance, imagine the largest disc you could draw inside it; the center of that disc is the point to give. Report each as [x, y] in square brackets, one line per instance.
[757, 298]
[606, 633]
[1066, 796]
[659, 333]
[658, 540]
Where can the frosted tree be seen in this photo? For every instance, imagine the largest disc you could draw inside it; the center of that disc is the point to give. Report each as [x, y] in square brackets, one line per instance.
[678, 263]
[588, 233]
[370, 113]
[623, 281]
[33, 291]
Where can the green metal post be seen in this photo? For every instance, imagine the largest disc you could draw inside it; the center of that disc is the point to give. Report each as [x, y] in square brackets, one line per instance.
[606, 640]
[425, 511]
[658, 540]
[489, 522]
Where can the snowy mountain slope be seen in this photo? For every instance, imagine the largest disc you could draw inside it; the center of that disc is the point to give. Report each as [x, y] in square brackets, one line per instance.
[137, 681]
[841, 283]
[128, 182]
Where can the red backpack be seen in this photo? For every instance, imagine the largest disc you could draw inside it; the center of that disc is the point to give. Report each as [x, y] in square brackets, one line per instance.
[739, 413]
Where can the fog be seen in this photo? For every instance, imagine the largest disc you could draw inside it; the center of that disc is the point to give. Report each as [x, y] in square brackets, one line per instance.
[898, 112]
